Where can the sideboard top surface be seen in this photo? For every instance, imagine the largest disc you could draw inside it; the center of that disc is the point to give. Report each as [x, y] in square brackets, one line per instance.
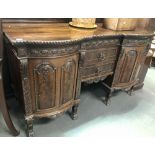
[31, 32]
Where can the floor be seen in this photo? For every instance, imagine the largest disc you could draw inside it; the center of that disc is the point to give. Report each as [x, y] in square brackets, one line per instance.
[127, 116]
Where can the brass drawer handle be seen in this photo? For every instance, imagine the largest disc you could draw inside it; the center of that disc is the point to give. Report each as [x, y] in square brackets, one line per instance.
[98, 69]
[100, 56]
[82, 58]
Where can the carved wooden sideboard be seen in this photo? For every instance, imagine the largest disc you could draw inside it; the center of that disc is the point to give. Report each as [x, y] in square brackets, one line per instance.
[48, 62]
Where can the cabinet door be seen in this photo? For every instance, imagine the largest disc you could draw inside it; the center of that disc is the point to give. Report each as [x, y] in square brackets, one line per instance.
[68, 79]
[53, 82]
[43, 79]
[128, 66]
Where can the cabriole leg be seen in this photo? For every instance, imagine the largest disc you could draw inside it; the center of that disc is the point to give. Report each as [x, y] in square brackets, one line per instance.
[108, 95]
[130, 91]
[30, 132]
[74, 114]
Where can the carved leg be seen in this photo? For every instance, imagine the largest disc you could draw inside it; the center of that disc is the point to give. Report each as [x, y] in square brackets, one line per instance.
[27, 96]
[4, 108]
[130, 91]
[74, 114]
[109, 92]
[30, 132]
[107, 98]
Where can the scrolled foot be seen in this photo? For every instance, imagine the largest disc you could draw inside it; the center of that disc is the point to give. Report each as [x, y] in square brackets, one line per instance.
[74, 114]
[130, 92]
[106, 101]
[30, 132]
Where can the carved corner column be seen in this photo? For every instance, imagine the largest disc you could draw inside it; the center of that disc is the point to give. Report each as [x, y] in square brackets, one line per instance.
[27, 96]
[74, 114]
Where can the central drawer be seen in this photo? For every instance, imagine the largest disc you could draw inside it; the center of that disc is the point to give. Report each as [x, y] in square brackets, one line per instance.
[97, 70]
[98, 56]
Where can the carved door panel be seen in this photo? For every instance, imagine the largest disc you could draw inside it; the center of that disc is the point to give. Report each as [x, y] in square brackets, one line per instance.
[53, 82]
[45, 85]
[127, 68]
[143, 50]
[68, 79]
[43, 79]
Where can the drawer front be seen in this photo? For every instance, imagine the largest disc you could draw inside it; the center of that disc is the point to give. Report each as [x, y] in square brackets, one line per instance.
[96, 56]
[97, 70]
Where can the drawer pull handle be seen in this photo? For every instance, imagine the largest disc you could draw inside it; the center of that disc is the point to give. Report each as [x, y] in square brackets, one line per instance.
[98, 70]
[82, 58]
[100, 56]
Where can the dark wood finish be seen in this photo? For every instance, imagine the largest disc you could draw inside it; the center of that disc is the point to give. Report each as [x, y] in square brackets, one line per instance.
[42, 20]
[98, 58]
[131, 59]
[143, 71]
[51, 61]
[3, 105]
[36, 20]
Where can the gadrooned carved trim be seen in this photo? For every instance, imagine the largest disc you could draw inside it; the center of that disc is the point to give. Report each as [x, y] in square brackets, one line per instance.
[99, 43]
[56, 48]
[53, 51]
[36, 43]
[26, 86]
[58, 43]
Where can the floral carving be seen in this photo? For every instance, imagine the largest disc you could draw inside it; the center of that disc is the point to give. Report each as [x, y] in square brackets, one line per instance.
[26, 87]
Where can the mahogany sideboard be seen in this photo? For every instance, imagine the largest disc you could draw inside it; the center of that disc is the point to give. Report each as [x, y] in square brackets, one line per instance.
[49, 61]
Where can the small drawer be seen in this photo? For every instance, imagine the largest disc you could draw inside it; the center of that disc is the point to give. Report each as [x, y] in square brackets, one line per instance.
[97, 70]
[95, 56]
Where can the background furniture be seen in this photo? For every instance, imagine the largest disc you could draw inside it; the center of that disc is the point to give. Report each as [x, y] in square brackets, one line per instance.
[3, 105]
[50, 61]
[120, 23]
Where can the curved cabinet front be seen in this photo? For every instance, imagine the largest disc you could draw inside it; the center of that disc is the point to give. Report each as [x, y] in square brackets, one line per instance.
[53, 83]
[130, 60]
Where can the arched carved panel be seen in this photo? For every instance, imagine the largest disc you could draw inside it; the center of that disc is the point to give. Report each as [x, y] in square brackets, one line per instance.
[68, 72]
[128, 65]
[45, 86]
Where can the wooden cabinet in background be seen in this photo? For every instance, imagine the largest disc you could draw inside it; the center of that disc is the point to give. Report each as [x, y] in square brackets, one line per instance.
[120, 23]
